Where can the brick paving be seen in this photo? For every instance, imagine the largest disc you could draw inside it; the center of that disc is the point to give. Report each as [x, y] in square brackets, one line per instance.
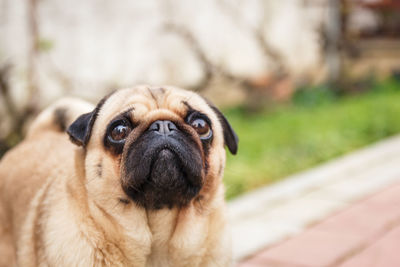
[364, 234]
[334, 197]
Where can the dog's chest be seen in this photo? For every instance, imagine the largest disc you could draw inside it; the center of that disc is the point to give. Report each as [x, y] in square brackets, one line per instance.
[162, 224]
[175, 239]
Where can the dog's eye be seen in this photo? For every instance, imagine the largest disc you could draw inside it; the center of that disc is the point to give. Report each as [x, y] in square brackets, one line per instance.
[202, 128]
[120, 131]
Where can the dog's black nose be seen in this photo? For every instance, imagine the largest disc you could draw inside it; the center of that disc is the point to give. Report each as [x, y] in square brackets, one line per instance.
[163, 127]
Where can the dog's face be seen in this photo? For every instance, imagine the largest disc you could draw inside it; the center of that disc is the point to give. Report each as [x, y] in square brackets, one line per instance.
[164, 147]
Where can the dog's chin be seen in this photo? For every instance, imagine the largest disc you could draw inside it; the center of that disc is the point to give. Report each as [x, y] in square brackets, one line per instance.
[167, 174]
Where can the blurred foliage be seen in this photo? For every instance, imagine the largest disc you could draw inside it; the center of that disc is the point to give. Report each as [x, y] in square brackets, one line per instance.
[314, 96]
[9, 141]
[45, 45]
[318, 125]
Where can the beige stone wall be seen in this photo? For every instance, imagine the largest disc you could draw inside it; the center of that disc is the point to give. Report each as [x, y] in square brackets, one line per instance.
[90, 46]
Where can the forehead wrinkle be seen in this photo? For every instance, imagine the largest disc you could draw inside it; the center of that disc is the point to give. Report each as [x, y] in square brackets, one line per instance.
[162, 114]
[114, 106]
[153, 96]
[197, 103]
[134, 99]
[172, 100]
[128, 112]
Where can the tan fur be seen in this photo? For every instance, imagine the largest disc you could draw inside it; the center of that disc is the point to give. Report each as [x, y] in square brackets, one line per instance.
[56, 211]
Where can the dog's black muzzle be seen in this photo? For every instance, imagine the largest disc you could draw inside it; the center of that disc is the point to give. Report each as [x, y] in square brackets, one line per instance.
[163, 167]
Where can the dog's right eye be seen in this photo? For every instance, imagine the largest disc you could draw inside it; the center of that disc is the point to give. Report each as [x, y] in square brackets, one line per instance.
[119, 131]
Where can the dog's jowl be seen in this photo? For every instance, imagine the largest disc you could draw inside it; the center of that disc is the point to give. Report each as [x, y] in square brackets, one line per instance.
[134, 181]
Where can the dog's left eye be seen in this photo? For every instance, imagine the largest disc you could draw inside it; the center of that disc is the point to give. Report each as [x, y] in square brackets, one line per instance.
[202, 128]
[120, 131]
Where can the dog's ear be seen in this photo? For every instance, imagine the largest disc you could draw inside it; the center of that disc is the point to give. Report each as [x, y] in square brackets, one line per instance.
[230, 137]
[79, 131]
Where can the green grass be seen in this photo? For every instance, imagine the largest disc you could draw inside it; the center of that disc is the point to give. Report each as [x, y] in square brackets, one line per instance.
[274, 144]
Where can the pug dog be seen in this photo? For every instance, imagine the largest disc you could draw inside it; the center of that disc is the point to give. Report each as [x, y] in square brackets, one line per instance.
[138, 182]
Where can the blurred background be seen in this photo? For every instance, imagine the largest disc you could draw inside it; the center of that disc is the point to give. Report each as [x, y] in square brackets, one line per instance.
[301, 81]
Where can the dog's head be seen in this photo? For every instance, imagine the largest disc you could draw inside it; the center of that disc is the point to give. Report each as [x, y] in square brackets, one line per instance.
[162, 146]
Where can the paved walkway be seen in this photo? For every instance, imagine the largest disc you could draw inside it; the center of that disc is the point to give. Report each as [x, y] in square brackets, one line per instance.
[345, 213]
[366, 234]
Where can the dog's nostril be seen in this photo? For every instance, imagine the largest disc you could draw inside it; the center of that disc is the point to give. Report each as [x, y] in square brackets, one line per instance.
[163, 127]
[155, 126]
[171, 126]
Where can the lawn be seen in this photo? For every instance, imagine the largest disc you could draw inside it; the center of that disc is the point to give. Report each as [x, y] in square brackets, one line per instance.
[316, 127]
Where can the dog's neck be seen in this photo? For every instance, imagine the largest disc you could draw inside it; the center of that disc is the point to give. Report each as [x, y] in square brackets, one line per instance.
[157, 236]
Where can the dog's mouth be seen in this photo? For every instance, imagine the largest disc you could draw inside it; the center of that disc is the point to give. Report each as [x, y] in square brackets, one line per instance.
[162, 172]
[165, 169]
